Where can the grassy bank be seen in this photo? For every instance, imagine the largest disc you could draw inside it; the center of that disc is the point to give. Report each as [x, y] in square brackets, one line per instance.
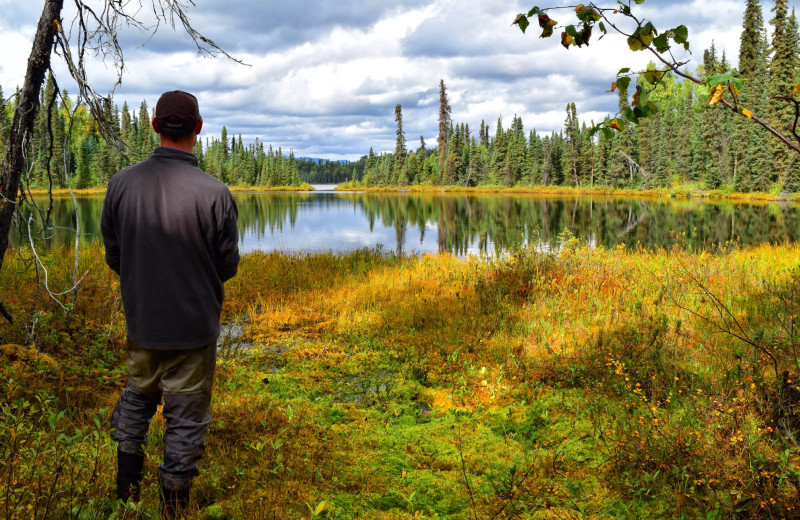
[687, 191]
[61, 192]
[585, 384]
[678, 191]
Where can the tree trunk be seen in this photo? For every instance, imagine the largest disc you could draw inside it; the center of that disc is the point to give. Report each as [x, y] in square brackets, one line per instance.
[22, 125]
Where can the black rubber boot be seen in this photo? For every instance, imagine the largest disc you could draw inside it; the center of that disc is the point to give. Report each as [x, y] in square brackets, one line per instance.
[129, 475]
[176, 500]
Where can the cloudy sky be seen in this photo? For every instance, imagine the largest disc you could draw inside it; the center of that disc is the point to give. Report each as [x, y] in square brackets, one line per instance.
[324, 77]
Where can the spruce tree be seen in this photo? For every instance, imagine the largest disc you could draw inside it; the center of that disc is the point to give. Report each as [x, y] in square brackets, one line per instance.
[781, 79]
[535, 158]
[586, 156]
[683, 122]
[515, 155]
[146, 136]
[444, 125]
[713, 159]
[750, 145]
[622, 147]
[499, 150]
[453, 163]
[572, 144]
[400, 146]
[198, 152]
[369, 169]
[547, 163]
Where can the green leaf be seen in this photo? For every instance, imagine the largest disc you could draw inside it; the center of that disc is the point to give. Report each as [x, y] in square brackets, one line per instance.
[630, 116]
[646, 33]
[642, 37]
[653, 76]
[644, 97]
[661, 43]
[587, 14]
[703, 90]
[635, 44]
[535, 11]
[522, 22]
[623, 71]
[681, 36]
[623, 82]
[577, 37]
[719, 78]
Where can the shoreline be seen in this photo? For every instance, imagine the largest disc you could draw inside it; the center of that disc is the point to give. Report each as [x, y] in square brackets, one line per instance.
[678, 193]
[661, 193]
[59, 192]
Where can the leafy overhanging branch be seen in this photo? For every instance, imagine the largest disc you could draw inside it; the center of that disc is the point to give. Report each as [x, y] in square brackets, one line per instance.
[646, 37]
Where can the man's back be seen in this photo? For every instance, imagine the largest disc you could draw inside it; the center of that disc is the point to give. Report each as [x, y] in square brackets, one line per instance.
[170, 232]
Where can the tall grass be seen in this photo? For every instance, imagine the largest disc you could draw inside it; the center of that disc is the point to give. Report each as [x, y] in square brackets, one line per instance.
[584, 383]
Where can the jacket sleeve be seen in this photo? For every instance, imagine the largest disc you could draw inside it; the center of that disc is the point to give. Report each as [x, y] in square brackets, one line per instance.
[109, 235]
[228, 242]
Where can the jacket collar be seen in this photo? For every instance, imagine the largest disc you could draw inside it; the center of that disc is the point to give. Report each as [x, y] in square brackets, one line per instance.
[162, 152]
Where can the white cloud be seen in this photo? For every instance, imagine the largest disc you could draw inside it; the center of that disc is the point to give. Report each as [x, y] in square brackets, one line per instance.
[324, 77]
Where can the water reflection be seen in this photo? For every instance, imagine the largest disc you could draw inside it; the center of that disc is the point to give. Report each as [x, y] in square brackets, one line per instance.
[468, 224]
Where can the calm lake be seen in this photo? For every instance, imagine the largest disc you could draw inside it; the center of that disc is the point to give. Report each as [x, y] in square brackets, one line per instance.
[461, 224]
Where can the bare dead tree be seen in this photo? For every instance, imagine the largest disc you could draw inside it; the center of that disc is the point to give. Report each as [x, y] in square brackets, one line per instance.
[633, 165]
[92, 33]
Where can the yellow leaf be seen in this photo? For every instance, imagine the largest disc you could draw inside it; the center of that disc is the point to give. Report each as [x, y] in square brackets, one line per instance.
[613, 87]
[566, 40]
[716, 96]
[322, 506]
[796, 89]
[747, 113]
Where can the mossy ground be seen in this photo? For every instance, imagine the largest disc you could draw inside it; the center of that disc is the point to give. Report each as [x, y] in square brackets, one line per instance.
[586, 383]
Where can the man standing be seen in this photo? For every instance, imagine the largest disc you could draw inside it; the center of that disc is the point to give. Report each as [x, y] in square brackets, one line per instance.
[170, 233]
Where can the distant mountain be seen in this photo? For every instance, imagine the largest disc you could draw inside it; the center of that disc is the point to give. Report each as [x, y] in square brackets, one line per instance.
[319, 161]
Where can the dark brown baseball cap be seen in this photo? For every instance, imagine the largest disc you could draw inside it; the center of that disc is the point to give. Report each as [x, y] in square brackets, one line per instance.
[178, 104]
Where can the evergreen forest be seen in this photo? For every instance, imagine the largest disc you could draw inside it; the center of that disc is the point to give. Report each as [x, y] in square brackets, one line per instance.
[72, 148]
[686, 142]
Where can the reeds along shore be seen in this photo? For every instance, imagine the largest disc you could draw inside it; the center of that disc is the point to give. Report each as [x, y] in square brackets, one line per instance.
[679, 192]
[587, 383]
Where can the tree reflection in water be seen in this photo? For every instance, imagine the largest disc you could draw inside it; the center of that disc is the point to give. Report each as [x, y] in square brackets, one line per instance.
[468, 224]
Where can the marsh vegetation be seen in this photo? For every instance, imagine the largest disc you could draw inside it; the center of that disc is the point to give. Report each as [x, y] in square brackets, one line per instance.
[590, 382]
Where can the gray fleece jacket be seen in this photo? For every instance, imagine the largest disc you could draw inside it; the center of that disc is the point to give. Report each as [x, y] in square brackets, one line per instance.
[170, 232]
